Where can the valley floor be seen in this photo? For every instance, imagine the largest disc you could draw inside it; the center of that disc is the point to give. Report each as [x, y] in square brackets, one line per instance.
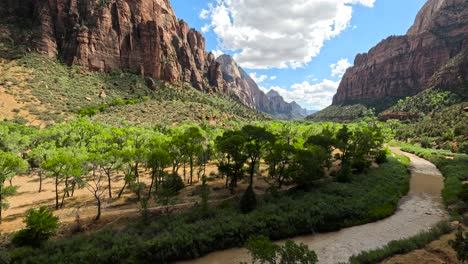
[421, 209]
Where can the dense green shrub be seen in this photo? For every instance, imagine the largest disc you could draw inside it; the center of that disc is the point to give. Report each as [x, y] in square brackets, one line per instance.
[262, 250]
[41, 224]
[382, 156]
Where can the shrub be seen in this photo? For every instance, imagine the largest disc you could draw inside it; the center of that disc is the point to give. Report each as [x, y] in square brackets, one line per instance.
[41, 224]
[381, 156]
[264, 251]
[463, 194]
[344, 174]
[401, 246]
[460, 245]
[248, 202]
[4, 257]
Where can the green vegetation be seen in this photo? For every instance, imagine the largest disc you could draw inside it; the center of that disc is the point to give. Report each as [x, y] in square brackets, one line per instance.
[426, 102]
[402, 246]
[454, 167]
[40, 226]
[345, 113]
[329, 207]
[460, 245]
[264, 251]
[53, 92]
[81, 153]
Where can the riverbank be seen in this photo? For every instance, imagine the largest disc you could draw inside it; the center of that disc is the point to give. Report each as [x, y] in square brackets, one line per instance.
[421, 209]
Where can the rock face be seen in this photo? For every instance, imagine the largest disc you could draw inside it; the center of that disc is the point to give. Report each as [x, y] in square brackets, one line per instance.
[243, 87]
[432, 54]
[143, 36]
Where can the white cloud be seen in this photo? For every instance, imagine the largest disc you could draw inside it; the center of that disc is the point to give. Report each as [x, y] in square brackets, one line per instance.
[217, 53]
[277, 33]
[339, 68]
[274, 77]
[312, 96]
[258, 79]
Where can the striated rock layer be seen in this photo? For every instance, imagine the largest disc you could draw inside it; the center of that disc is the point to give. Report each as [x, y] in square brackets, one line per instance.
[144, 36]
[432, 54]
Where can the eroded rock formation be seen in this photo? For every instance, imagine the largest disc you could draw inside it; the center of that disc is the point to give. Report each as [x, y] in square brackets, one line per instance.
[143, 36]
[433, 53]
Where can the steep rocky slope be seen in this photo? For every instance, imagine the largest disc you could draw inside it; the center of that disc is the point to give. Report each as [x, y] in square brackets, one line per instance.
[243, 87]
[432, 54]
[143, 36]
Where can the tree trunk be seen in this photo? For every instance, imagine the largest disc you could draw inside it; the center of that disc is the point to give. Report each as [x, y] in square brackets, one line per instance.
[73, 188]
[252, 170]
[121, 191]
[63, 199]
[98, 216]
[66, 188]
[56, 193]
[40, 180]
[153, 175]
[109, 182]
[191, 170]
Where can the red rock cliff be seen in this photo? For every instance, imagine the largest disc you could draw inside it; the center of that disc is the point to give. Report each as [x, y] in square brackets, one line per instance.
[144, 36]
[405, 65]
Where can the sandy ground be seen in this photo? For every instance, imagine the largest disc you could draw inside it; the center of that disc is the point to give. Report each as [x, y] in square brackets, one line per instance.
[418, 211]
[84, 204]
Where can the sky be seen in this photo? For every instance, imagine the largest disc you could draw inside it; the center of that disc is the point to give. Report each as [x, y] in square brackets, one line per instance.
[300, 48]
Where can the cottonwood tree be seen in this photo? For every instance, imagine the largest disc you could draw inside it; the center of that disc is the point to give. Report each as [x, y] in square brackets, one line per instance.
[10, 165]
[94, 183]
[279, 157]
[193, 139]
[157, 160]
[257, 139]
[61, 167]
[232, 145]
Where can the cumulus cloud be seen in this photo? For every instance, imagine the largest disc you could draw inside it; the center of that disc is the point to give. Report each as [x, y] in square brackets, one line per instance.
[339, 68]
[274, 77]
[258, 79]
[277, 33]
[312, 96]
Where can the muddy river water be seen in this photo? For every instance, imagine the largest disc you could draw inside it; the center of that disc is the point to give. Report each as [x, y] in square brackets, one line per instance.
[418, 211]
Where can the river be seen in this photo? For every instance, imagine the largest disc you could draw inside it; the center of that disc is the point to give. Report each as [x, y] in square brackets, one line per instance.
[418, 211]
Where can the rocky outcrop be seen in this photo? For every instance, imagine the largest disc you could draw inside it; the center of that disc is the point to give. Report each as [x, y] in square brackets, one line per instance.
[402, 66]
[240, 85]
[143, 36]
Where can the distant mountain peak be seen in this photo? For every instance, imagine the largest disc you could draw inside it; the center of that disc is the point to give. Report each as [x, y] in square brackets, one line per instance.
[273, 93]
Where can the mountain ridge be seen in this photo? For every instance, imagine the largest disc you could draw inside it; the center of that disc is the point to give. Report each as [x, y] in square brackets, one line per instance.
[401, 66]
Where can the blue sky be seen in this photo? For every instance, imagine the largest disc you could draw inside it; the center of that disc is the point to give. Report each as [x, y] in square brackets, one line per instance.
[290, 46]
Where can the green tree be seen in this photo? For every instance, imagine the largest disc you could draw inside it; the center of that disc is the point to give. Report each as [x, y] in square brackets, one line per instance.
[231, 144]
[41, 224]
[61, 167]
[157, 160]
[308, 166]
[279, 157]
[257, 139]
[10, 165]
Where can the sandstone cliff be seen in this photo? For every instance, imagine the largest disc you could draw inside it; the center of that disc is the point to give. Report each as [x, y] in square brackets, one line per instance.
[432, 54]
[243, 87]
[143, 36]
